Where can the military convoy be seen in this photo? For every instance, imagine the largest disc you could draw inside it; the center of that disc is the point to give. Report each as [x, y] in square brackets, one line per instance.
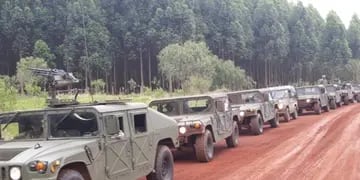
[121, 140]
[256, 108]
[202, 121]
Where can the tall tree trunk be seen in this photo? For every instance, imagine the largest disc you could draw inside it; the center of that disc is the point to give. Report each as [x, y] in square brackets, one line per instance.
[141, 71]
[149, 56]
[114, 84]
[125, 73]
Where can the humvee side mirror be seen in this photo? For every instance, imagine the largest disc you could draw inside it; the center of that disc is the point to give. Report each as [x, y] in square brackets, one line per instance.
[220, 106]
[111, 125]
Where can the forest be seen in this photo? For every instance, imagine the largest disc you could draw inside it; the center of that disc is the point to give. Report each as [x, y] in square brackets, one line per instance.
[166, 42]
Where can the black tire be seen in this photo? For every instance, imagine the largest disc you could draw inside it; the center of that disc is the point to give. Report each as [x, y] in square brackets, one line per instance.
[339, 104]
[327, 108]
[295, 114]
[332, 104]
[346, 101]
[204, 147]
[300, 111]
[287, 115]
[164, 165]
[274, 123]
[70, 174]
[357, 98]
[317, 108]
[257, 125]
[233, 140]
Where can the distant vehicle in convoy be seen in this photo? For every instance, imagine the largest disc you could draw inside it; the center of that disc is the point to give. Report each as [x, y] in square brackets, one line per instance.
[285, 101]
[96, 141]
[202, 121]
[256, 108]
[313, 98]
[347, 95]
[334, 95]
[356, 92]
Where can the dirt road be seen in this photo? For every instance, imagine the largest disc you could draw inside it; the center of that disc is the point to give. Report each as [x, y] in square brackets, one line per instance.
[323, 146]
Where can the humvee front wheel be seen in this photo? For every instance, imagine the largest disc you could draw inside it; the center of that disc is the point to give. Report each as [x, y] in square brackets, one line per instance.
[295, 114]
[346, 101]
[326, 108]
[204, 147]
[357, 98]
[164, 165]
[332, 104]
[70, 174]
[317, 108]
[287, 115]
[274, 123]
[233, 139]
[256, 125]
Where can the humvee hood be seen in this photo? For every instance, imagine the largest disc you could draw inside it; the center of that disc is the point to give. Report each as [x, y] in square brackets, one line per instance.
[331, 94]
[23, 151]
[304, 97]
[191, 117]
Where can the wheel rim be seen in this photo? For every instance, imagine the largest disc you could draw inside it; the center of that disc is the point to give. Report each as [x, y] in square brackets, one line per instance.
[210, 147]
[165, 167]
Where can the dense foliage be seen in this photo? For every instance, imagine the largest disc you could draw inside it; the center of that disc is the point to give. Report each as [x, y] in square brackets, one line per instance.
[275, 41]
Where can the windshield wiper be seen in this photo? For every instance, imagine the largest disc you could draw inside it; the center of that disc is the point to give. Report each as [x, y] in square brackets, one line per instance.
[63, 118]
[11, 120]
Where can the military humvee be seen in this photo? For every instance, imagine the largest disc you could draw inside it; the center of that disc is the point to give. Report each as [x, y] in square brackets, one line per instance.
[202, 121]
[95, 141]
[285, 101]
[256, 108]
[347, 95]
[312, 98]
[334, 95]
[356, 92]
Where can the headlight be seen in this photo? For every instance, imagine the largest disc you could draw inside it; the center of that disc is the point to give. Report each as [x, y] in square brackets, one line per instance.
[280, 106]
[308, 100]
[242, 113]
[182, 130]
[15, 173]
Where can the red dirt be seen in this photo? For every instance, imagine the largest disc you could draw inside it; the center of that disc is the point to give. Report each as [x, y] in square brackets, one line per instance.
[323, 146]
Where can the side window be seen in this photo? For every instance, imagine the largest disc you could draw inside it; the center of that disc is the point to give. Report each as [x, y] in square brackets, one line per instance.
[140, 123]
[121, 123]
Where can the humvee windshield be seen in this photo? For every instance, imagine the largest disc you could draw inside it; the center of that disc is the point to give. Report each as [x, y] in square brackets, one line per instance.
[31, 125]
[246, 98]
[183, 106]
[346, 86]
[308, 91]
[22, 126]
[73, 124]
[280, 94]
[330, 88]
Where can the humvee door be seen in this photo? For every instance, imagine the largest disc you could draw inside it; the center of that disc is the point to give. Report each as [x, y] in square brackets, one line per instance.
[118, 157]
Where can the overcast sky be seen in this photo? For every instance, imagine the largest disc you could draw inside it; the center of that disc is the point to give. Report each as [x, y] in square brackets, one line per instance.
[344, 8]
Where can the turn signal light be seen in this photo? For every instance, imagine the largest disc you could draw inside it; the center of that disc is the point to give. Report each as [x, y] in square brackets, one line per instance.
[197, 125]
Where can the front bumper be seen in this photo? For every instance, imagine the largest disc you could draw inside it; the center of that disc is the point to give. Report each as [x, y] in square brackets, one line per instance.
[25, 173]
[302, 104]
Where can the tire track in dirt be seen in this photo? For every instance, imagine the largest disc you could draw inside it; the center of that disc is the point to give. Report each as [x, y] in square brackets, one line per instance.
[309, 154]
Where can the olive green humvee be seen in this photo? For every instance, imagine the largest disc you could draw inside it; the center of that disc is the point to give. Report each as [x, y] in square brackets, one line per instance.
[101, 141]
[285, 101]
[347, 94]
[256, 108]
[202, 121]
[313, 98]
[334, 95]
[356, 92]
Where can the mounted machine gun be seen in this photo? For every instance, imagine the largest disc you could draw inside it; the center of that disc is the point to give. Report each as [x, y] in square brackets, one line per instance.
[57, 78]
